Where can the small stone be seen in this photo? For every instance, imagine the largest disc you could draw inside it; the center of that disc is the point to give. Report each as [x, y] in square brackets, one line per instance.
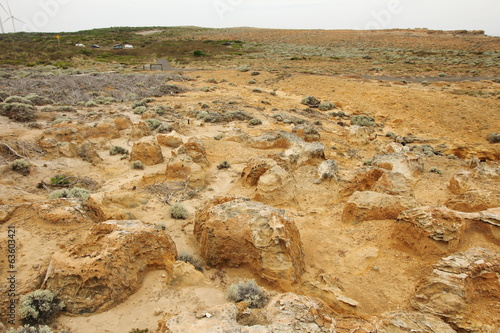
[158, 311]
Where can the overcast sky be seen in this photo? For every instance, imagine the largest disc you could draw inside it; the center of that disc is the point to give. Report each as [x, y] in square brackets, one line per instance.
[74, 15]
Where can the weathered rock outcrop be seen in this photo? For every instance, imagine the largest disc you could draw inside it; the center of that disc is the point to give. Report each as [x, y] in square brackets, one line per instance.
[361, 135]
[148, 152]
[328, 170]
[459, 283]
[109, 265]
[369, 205]
[408, 164]
[379, 180]
[196, 150]
[273, 184]
[182, 167]
[66, 211]
[399, 322]
[284, 313]
[440, 230]
[237, 231]
[139, 131]
[172, 139]
[88, 152]
[474, 201]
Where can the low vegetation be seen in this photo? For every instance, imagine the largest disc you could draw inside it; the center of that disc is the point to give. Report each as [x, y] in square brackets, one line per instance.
[249, 292]
[178, 212]
[39, 307]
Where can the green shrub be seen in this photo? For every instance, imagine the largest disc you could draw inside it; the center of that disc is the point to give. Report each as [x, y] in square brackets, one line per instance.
[247, 291]
[219, 136]
[75, 192]
[18, 99]
[153, 123]
[310, 101]
[165, 128]
[39, 100]
[198, 53]
[137, 165]
[91, 104]
[224, 165]
[39, 307]
[117, 150]
[255, 122]
[22, 166]
[362, 120]
[59, 180]
[326, 106]
[255, 73]
[195, 261]
[178, 212]
[140, 109]
[18, 111]
[493, 137]
[252, 81]
[243, 69]
[390, 134]
[65, 108]
[436, 170]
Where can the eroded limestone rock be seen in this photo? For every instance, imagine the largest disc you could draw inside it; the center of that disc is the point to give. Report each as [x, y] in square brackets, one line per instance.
[109, 265]
[148, 152]
[237, 231]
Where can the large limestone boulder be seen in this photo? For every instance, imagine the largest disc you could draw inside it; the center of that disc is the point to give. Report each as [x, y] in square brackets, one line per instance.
[284, 313]
[327, 170]
[109, 265]
[139, 131]
[172, 139]
[104, 130]
[273, 184]
[440, 230]
[464, 289]
[148, 152]
[87, 151]
[399, 322]
[379, 180]
[369, 205]
[237, 231]
[196, 150]
[122, 122]
[67, 211]
[408, 164]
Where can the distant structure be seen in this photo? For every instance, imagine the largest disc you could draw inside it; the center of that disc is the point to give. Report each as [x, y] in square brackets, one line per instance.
[10, 17]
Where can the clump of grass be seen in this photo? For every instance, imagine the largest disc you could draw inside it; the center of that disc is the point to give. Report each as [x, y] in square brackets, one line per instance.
[39, 100]
[75, 192]
[117, 150]
[255, 122]
[252, 81]
[362, 120]
[59, 180]
[39, 307]
[178, 212]
[191, 259]
[247, 291]
[22, 166]
[219, 136]
[137, 165]
[224, 165]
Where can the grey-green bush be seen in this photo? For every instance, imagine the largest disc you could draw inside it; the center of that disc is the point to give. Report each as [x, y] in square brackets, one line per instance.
[137, 165]
[493, 137]
[117, 150]
[178, 212]
[326, 106]
[153, 123]
[310, 101]
[18, 99]
[19, 112]
[22, 166]
[255, 122]
[362, 120]
[39, 307]
[195, 261]
[247, 291]
[224, 165]
[75, 192]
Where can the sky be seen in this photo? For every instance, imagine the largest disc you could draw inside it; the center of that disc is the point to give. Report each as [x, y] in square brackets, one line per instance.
[75, 15]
